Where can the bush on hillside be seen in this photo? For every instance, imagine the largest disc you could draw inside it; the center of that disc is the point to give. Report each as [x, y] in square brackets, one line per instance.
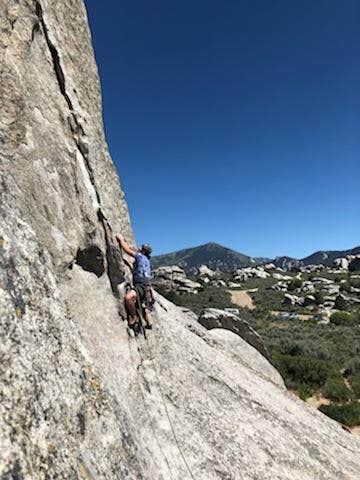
[353, 367]
[298, 371]
[294, 284]
[355, 385]
[340, 303]
[319, 297]
[354, 265]
[341, 318]
[335, 389]
[210, 297]
[348, 414]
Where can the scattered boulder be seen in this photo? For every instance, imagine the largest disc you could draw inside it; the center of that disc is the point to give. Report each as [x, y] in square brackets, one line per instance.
[293, 300]
[215, 318]
[243, 274]
[204, 270]
[174, 278]
[280, 276]
[341, 263]
[309, 300]
[280, 287]
[269, 266]
[322, 281]
[308, 287]
[332, 289]
[354, 290]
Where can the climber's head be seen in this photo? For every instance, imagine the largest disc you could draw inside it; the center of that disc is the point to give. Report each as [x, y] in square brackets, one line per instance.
[146, 250]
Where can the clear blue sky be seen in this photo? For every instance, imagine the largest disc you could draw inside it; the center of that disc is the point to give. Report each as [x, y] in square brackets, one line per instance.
[234, 121]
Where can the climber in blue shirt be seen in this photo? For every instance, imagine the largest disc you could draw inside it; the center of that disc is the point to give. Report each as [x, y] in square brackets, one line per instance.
[142, 284]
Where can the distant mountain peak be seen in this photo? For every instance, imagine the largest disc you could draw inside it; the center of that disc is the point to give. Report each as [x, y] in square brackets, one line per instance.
[212, 254]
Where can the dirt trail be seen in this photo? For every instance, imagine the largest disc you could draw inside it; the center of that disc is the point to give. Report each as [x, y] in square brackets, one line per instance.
[242, 298]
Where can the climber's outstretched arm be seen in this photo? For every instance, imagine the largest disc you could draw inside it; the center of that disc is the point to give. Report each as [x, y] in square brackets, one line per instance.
[127, 249]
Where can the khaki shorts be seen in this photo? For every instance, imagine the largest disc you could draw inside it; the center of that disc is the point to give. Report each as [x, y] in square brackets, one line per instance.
[145, 295]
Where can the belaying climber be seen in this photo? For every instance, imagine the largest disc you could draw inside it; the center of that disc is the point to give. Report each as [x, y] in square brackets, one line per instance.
[142, 284]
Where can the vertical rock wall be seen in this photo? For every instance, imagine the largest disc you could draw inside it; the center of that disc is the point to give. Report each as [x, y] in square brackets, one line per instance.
[61, 203]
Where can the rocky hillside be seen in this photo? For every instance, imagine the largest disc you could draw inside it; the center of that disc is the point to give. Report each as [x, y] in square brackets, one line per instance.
[323, 257]
[79, 398]
[211, 254]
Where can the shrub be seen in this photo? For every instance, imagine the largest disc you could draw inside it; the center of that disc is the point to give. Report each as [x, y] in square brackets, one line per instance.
[319, 298]
[355, 385]
[341, 318]
[353, 367]
[335, 389]
[354, 265]
[340, 303]
[345, 287]
[348, 414]
[354, 282]
[303, 370]
[294, 284]
[212, 297]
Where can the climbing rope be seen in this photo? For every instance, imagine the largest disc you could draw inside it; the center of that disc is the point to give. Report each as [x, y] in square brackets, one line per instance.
[152, 358]
[144, 403]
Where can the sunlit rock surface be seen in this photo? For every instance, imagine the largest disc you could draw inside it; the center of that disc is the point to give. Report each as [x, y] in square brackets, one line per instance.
[79, 399]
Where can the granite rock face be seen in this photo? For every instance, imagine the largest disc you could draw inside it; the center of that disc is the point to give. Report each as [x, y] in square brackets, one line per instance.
[174, 278]
[215, 318]
[79, 399]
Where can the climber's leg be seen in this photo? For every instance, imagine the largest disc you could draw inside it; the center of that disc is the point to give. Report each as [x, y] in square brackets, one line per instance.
[147, 317]
[130, 304]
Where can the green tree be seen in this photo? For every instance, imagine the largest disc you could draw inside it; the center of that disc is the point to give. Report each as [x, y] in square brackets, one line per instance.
[340, 303]
[335, 389]
[294, 284]
[319, 297]
[341, 318]
[348, 414]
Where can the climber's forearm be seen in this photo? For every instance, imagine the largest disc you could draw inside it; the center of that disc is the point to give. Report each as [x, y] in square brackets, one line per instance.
[127, 249]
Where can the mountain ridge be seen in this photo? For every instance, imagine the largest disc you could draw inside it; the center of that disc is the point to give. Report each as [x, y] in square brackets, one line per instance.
[324, 257]
[215, 255]
[212, 254]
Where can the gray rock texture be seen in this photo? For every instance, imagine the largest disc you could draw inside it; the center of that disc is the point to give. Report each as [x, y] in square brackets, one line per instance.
[174, 278]
[215, 318]
[79, 399]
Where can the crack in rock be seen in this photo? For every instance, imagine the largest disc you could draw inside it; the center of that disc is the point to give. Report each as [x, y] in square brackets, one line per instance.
[115, 269]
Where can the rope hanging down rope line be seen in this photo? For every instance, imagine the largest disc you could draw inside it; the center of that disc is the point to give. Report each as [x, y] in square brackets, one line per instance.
[152, 358]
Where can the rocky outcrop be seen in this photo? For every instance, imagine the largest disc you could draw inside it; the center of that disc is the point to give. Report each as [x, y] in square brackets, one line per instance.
[290, 299]
[354, 265]
[174, 278]
[215, 318]
[79, 399]
[205, 271]
[243, 274]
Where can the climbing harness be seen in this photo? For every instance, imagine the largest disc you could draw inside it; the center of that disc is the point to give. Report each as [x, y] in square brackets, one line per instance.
[138, 327]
